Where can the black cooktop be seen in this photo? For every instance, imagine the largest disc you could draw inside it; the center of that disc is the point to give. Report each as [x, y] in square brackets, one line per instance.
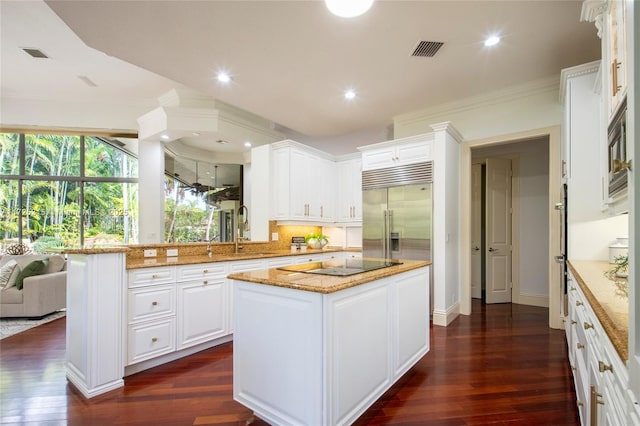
[341, 267]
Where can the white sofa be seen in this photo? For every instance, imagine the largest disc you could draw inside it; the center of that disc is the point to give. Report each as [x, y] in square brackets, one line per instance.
[40, 294]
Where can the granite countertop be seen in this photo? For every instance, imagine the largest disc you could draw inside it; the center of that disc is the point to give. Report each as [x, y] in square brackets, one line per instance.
[98, 250]
[609, 303]
[203, 258]
[323, 283]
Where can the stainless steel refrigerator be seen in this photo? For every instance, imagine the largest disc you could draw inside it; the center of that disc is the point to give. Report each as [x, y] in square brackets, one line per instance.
[396, 222]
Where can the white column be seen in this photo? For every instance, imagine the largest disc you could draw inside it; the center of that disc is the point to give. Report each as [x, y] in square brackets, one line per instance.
[151, 191]
[446, 223]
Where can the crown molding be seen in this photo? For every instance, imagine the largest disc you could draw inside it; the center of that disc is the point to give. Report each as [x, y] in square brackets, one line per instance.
[532, 88]
[573, 72]
[594, 11]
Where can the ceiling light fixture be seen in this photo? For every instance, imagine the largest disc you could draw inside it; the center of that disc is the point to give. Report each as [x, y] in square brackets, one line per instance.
[348, 8]
[492, 40]
[223, 77]
[247, 144]
[350, 94]
[164, 137]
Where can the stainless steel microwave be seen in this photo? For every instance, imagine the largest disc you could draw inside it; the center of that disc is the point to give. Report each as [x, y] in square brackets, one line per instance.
[618, 162]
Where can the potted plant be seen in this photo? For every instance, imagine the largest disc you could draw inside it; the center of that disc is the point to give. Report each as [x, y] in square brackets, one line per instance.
[621, 268]
[316, 240]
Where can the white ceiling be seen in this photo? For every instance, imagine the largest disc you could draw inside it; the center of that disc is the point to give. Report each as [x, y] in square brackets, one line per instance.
[290, 60]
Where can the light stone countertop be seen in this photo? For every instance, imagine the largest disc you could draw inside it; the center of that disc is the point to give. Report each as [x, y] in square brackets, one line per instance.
[323, 283]
[610, 304]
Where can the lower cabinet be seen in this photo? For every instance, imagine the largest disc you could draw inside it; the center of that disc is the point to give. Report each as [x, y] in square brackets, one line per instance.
[325, 358]
[202, 311]
[600, 376]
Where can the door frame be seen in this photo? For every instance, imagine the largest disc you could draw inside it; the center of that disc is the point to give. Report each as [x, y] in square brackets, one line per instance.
[555, 181]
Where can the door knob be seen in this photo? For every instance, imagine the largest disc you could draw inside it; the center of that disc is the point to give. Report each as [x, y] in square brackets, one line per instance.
[491, 249]
[476, 248]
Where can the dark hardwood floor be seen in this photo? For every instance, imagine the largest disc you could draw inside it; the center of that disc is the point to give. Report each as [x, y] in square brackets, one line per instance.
[501, 365]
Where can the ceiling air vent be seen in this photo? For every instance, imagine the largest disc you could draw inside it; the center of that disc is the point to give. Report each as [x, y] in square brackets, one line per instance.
[427, 48]
[36, 53]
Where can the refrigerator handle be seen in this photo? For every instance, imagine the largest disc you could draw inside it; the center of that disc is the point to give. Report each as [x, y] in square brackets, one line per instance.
[385, 232]
[388, 235]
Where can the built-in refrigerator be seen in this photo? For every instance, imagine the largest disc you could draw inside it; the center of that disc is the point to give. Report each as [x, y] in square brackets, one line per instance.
[396, 216]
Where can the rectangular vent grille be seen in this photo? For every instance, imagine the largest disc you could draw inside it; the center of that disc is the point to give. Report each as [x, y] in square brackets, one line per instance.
[398, 176]
[36, 53]
[427, 48]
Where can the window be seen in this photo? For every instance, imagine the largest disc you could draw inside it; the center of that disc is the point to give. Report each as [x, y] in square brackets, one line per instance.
[66, 190]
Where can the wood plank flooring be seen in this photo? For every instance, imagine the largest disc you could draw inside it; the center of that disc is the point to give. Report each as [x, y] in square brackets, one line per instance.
[501, 365]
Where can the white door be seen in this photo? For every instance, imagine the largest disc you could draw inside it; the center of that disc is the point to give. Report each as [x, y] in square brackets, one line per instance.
[476, 231]
[498, 231]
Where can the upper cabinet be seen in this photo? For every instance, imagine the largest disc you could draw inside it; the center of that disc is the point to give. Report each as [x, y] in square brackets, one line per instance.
[615, 54]
[303, 184]
[396, 153]
[349, 188]
[611, 18]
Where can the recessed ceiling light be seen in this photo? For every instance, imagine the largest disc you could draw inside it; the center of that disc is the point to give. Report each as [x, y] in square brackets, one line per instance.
[165, 137]
[247, 144]
[223, 77]
[492, 40]
[348, 8]
[222, 142]
[350, 94]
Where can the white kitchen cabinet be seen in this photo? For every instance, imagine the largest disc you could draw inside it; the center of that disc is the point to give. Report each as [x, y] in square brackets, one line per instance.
[349, 189]
[417, 149]
[202, 311]
[151, 339]
[311, 369]
[240, 266]
[303, 185]
[615, 49]
[203, 303]
[600, 376]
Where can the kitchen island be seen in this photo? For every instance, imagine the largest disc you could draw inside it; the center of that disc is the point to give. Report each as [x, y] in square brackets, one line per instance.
[315, 349]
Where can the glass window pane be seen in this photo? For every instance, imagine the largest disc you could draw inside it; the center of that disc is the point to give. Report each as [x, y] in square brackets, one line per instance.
[110, 213]
[50, 213]
[104, 160]
[190, 218]
[9, 211]
[9, 153]
[52, 155]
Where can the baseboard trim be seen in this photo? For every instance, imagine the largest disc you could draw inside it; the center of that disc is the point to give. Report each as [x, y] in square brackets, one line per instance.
[444, 318]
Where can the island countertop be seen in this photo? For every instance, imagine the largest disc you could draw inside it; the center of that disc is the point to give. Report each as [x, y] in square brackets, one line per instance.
[607, 301]
[323, 283]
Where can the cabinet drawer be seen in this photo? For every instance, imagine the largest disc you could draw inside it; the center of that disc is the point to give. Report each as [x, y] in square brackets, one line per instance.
[151, 276]
[204, 270]
[146, 303]
[150, 339]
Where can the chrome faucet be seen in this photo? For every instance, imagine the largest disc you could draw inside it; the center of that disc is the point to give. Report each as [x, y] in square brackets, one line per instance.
[244, 225]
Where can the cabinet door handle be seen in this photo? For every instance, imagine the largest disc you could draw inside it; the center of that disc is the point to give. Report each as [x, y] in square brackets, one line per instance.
[205, 282]
[615, 66]
[587, 325]
[154, 303]
[574, 322]
[579, 303]
[580, 345]
[602, 367]
[205, 271]
[154, 339]
[154, 276]
[321, 211]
